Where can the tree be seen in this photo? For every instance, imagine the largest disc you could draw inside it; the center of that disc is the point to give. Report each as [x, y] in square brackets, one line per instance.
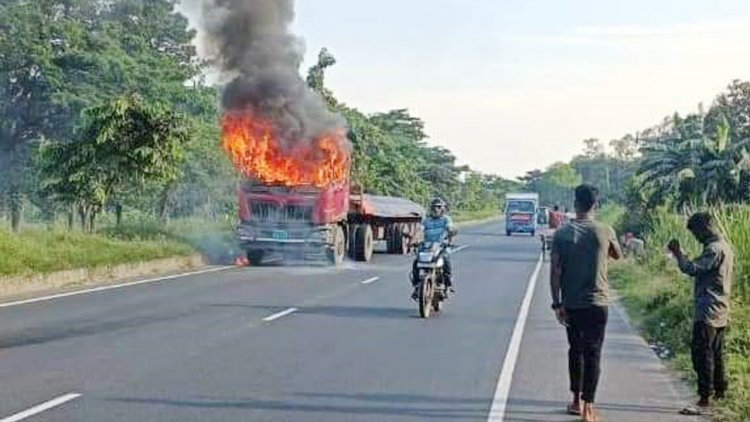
[689, 167]
[625, 148]
[59, 57]
[594, 148]
[557, 183]
[30, 42]
[124, 146]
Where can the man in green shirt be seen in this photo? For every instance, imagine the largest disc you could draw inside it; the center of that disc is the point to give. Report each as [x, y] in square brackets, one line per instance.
[712, 272]
[580, 295]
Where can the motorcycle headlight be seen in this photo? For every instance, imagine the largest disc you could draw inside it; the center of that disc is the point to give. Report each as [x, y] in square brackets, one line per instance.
[425, 257]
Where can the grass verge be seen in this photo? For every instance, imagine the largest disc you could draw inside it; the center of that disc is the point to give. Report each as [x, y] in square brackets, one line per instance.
[464, 216]
[40, 251]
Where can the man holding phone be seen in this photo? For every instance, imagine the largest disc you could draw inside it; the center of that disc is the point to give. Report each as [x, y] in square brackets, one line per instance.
[580, 295]
[712, 272]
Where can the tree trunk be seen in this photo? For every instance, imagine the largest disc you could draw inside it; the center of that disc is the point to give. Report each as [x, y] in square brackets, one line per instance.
[118, 214]
[16, 208]
[3, 205]
[71, 218]
[92, 221]
[163, 211]
[83, 214]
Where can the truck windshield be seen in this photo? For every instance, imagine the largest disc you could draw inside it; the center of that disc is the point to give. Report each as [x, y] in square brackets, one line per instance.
[520, 206]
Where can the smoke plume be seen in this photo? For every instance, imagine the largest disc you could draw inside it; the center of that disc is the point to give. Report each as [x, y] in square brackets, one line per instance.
[250, 43]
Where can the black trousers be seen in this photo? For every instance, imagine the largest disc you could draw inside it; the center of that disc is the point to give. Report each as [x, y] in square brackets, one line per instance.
[708, 359]
[585, 337]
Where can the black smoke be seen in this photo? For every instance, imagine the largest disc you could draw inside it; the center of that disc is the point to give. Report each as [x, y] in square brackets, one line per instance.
[251, 44]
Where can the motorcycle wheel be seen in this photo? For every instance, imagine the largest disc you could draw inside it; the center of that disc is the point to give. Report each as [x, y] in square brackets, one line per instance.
[425, 297]
[437, 304]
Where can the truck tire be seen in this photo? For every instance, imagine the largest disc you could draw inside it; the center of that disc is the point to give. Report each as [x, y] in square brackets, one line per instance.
[337, 251]
[363, 243]
[255, 257]
[390, 239]
[400, 241]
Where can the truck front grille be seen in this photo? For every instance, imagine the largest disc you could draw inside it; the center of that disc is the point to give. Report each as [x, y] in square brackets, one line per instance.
[266, 212]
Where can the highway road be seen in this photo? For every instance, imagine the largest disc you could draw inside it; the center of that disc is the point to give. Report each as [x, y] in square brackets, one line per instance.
[318, 344]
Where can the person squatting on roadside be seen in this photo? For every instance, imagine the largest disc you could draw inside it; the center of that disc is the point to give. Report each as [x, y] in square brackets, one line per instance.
[581, 297]
[712, 272]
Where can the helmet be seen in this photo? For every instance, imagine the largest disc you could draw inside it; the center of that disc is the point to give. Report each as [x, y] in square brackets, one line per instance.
[437, 207]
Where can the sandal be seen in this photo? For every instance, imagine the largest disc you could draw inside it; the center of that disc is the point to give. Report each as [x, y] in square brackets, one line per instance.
[692, 410]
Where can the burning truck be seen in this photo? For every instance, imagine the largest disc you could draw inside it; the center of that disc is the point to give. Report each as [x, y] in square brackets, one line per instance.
[300, 202]
[291, 148]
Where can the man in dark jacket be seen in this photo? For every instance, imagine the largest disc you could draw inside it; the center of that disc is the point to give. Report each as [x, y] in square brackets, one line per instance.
[712, 273]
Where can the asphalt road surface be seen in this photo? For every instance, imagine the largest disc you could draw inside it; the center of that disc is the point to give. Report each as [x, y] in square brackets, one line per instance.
[318, 344]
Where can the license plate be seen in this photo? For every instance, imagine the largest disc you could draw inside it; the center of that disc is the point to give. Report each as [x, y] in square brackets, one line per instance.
[280, 235]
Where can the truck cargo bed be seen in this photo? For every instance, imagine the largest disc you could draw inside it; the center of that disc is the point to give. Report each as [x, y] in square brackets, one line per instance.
[387, 207]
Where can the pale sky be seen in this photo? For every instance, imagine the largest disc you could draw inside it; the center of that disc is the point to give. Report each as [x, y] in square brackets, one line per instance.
[514, 86]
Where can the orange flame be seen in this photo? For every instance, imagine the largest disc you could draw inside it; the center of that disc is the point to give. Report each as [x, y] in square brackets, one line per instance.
[253, 145]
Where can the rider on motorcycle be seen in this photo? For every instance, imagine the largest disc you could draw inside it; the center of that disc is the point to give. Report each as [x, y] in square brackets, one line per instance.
[438, 227]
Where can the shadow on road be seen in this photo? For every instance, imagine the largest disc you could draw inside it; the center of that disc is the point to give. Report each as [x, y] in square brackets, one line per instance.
[58, 331]
[429, 408]
[523, 409]
[337, 311]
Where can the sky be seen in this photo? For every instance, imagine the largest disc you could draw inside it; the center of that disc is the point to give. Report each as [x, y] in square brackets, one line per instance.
[512, 86]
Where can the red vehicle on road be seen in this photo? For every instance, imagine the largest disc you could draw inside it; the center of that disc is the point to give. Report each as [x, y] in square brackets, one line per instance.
[323, 223]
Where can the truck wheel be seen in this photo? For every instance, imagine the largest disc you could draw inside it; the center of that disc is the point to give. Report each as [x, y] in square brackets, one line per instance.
[390, 239]
[255, 257]
[508, 233]
[338, 250]
[363, 243]
[401, 242]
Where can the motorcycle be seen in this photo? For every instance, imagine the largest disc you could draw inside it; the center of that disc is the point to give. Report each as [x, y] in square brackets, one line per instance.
[431, 289]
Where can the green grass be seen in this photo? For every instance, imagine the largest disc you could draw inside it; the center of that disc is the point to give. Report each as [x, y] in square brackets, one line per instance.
[611, 214]
[660, 299]
[464, 216]
[35, 251]
[39, 249]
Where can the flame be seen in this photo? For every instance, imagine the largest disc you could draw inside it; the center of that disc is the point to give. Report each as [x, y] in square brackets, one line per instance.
[253, 145]
[242, 261]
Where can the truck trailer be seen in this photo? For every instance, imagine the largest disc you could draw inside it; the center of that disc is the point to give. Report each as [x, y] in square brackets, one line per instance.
[323, 223]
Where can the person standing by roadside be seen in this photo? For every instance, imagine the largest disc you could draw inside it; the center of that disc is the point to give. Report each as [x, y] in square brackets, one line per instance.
[712, 272]
[580, 295]
[555, 218]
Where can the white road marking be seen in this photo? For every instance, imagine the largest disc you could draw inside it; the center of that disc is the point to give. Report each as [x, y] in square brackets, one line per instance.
[41, 408]
[277, 316]
[500, 400]
[371, 280]
[112, 287]
[459, 249]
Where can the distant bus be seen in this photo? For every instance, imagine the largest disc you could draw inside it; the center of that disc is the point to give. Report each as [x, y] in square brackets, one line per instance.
[521, 210]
